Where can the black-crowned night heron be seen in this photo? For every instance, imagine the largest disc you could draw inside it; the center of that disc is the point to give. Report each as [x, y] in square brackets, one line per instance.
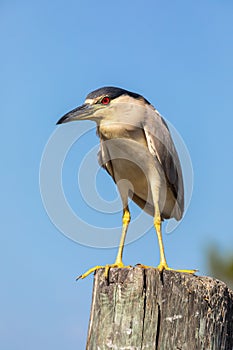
[137, 150]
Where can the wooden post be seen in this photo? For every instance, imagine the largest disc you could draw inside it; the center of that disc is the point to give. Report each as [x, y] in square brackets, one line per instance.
[136, 309]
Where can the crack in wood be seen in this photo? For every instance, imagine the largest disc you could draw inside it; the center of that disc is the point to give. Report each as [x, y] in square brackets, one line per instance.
[144, 306]
[158, 327]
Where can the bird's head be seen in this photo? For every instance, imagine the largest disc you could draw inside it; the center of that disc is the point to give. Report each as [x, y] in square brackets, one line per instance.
[104, 103]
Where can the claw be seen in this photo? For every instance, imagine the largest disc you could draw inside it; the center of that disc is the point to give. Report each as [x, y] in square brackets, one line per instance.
[106, 269]
[93, 269]
[163, 266]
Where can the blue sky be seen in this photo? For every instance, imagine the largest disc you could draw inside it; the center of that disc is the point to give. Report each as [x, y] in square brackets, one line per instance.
[179, 55]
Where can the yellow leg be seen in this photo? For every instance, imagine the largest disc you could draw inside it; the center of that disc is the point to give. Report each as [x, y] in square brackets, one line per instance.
[118, 262]
[125, 221]
[163, 262]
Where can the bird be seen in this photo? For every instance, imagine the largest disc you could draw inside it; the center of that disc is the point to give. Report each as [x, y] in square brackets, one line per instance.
[137, 151]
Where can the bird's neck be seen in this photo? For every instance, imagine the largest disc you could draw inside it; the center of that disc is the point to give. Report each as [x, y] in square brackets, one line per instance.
[108, 131]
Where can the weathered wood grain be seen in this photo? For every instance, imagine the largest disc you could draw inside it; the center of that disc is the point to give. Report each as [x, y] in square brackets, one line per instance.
[137, 309]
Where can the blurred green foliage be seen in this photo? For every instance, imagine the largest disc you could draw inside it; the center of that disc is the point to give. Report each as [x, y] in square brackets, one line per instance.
[221, 266]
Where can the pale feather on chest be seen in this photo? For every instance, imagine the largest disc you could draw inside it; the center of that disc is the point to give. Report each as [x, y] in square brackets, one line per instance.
[127, 131]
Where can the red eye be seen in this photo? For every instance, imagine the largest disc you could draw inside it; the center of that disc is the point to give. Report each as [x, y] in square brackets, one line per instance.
[105, 100]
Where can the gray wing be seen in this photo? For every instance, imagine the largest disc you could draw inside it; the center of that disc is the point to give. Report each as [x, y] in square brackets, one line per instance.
[160, 145]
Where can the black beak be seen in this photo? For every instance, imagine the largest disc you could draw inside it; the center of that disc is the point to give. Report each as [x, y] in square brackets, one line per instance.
[76, 114]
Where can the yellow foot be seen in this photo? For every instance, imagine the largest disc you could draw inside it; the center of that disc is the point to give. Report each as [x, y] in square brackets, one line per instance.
[163, 266]
[106, 267]
[145, 266]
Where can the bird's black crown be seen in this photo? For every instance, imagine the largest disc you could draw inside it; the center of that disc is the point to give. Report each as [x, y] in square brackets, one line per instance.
[113, 92]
